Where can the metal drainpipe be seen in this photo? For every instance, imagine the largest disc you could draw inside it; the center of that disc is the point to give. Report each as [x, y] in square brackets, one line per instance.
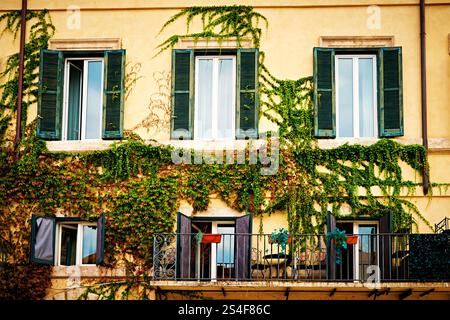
[423, 75]
[23, 26]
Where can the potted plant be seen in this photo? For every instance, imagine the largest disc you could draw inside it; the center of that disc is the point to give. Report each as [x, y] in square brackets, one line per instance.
[281, 237]
[211, 238]
[339, 239]
[353, 239]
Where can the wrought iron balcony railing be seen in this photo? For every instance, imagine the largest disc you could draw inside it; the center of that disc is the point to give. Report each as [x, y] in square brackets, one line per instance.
[255, 257]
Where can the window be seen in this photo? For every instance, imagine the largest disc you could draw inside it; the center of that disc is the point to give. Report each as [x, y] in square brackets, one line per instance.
[67, 241]
[357, 259]
[227, 259]
[358, 92]
[82, 112]
[77, 244]
[215, 83]
[212, 261]
[215, 94]
[81, 95]
[356, 112]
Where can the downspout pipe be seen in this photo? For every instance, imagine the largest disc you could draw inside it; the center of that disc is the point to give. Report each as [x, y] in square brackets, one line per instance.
[23, 27]
[423, 76]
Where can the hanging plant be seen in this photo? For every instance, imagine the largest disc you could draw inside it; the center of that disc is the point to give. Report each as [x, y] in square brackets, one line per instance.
[339, 239]
[281, 238]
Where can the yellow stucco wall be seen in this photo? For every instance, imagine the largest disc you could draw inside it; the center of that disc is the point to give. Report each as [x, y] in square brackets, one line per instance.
[294, 29]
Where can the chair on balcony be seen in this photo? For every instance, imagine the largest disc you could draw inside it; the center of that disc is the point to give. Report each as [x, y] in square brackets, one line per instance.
[310, 264]
[258, 264]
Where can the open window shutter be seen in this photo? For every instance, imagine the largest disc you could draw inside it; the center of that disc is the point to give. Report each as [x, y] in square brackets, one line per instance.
[390, 93]
[324, 93]
[113, 94]
[331, 256]
[100, 253]
[385, 225]
[247, 113]
[184, 240]
[242, 246]
[182, 94]
[51, 73]
[43, 231]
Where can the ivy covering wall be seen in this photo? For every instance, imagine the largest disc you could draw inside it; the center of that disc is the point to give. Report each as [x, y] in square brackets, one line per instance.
[139, 188]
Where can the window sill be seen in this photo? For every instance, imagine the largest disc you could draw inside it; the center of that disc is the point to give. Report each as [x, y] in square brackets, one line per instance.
[333, 143]
[214, 144]
[79, 145]
[91, 271]
[434, 144]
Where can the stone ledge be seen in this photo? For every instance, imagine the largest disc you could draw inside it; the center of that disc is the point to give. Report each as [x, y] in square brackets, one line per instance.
[356, 41]
[85, 44]
[202, 43]
[434, 144]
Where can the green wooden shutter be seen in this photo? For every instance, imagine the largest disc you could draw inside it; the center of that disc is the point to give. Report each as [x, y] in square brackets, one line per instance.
[182, 94]
[390, 93]
[324, 93]
[51, 73]
[247, 111]
[113, 94]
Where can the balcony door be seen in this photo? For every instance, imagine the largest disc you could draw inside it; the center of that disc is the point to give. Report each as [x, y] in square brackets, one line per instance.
[202, 260]
[357, 260]
[374, 247]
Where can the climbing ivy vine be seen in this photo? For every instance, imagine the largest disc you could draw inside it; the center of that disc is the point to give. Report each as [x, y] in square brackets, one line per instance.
[41, 31]
[139, 188]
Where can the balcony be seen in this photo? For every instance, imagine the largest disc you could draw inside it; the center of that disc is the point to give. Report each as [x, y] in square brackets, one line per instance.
[365, 258]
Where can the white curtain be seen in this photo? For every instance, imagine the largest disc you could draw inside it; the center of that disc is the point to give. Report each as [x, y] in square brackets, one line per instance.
[366, 105]
[225, 105]
[345, 106]
[203, 116]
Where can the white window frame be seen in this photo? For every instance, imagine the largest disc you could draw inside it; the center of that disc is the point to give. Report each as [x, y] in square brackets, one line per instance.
[213, 260]
[83, 89]
[79, 244]
[356, 107]
[214, 226]
[215, 97]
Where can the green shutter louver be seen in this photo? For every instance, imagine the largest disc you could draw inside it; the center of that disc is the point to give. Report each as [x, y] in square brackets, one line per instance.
[390, 93]
[182, 94]
[247, 111]
[113, 94]
[324, 93]
[51, 73]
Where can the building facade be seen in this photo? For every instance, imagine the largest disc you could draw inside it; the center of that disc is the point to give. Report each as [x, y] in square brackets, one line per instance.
[107, 73]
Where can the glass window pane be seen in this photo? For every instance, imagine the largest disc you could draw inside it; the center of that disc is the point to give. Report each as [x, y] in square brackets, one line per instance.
[94, 100]
[203, 117]
[225, 249]
[366, 95]
[89, 244]
[225, 119]
[345, 91]
[68, 246]
[367, 249]
[74, 105]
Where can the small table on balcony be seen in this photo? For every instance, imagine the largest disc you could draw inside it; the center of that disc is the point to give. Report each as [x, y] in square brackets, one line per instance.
[278, 260]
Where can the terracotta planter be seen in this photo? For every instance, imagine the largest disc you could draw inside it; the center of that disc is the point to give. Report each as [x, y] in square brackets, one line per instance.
[211, 238]
[352, 239]
[288, 241]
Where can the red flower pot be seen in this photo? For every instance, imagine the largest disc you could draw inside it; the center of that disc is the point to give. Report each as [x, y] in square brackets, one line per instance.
[211, 238]
[352, 239]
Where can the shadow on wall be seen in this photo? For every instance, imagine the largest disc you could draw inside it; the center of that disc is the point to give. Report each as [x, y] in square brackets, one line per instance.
[158, 117]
